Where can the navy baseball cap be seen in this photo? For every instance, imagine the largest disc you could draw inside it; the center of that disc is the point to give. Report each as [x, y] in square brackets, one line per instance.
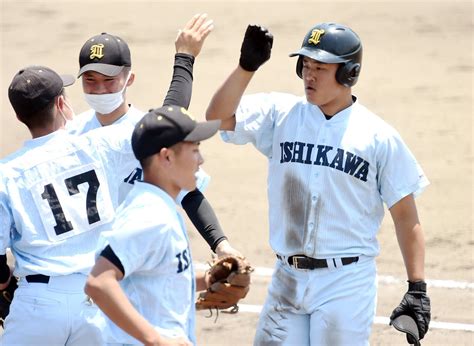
[166, 126]
[34, 87]
[104, 53]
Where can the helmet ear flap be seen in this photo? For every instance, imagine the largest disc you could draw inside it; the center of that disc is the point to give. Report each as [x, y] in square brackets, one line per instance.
[299, 67]
[348, 73]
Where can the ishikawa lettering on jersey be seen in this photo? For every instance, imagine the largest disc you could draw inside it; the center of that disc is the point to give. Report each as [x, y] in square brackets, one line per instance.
[325, 155]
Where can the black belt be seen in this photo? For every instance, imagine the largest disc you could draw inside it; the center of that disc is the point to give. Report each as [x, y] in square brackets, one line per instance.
[38, 278]
[304, 262]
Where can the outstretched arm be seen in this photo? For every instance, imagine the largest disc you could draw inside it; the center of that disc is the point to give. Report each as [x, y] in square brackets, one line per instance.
[226, 99]
[255, 51]
[203, 217]
[188, 45]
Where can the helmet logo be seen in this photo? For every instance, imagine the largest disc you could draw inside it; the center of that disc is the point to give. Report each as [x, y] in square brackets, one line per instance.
[97, 51]
[316, 36]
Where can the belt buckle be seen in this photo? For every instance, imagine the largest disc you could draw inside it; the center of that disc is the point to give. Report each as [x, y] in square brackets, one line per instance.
[295, 261]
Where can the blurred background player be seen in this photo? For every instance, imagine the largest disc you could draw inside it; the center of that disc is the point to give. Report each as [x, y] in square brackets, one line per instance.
[105, 68]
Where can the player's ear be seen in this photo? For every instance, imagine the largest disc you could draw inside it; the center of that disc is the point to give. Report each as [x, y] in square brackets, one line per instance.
[165, 155]
[59, 102]
[131, 79]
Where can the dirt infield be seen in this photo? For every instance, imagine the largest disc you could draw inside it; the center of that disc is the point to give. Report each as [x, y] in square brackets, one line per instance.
[417, 74]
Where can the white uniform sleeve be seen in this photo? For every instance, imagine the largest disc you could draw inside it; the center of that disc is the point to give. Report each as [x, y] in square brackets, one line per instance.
[6, 222]
[399, 174]
[255, 117]
[140, 249]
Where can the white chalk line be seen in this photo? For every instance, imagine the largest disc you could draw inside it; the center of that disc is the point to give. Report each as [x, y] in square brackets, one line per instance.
[256, 309]
[387, 279]
[383, 279]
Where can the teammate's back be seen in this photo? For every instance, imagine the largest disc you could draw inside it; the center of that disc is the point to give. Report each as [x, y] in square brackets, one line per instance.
[58, 197]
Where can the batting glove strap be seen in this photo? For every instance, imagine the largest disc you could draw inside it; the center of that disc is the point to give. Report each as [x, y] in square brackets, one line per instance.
[417, 286]
[256, 48]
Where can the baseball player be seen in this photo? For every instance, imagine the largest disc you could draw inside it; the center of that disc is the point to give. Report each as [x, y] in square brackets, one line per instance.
[144, 279]
[332, 166]
[43, 265]
[55, 200]
[105, 68]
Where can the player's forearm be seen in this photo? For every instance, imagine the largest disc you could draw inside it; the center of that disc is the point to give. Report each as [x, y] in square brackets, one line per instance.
[110, 298]
[226, 99]
[412, 245]
[181, 86]
[202, 216]
[410, 237]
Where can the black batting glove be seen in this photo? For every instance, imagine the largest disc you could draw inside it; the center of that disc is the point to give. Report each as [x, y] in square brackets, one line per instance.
[416, 304]
[256, 48]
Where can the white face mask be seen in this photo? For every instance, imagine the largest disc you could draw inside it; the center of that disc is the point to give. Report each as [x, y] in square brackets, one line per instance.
[106, 103]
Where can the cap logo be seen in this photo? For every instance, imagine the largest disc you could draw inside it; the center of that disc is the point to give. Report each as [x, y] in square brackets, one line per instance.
[316, 36]
[97, 51]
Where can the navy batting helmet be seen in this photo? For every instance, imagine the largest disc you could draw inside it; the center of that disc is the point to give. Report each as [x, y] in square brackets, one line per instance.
[333, 44]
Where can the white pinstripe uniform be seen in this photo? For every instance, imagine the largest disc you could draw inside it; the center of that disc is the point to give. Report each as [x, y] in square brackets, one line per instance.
[155, 254]
[327, 183]
[56, 198]
[88, 121]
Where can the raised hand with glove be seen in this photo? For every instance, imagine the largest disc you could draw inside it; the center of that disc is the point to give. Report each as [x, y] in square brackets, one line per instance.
[227, 281]
[256, 48]
[416, 304]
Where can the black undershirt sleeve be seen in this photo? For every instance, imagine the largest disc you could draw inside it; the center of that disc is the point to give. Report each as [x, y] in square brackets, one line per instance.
[112, 257]
[194, 203]
[181, 86]
[203, 218]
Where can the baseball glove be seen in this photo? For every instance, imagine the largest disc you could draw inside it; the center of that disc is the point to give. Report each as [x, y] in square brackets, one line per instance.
[6, 297]
[229, 281]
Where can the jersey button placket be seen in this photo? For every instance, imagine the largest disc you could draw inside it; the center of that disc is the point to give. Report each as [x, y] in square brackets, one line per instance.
[315, 186]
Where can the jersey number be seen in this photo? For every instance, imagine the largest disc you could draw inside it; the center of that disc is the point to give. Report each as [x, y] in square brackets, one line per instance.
[49, 194]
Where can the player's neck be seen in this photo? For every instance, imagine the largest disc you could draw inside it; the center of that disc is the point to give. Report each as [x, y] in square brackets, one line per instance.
[44, 130]
[40, 132]
[160, 180]
[336, 105]
[109, 119]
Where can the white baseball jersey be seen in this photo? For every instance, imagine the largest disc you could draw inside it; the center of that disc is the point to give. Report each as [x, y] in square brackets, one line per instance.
[327, 180]
[57, 198]
[154, 252]
[88, 121]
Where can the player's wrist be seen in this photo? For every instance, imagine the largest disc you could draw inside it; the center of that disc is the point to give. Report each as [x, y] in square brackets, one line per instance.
[207, 279]
[186, 55]
[225, 249]
[418, 286]
[153, 338]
